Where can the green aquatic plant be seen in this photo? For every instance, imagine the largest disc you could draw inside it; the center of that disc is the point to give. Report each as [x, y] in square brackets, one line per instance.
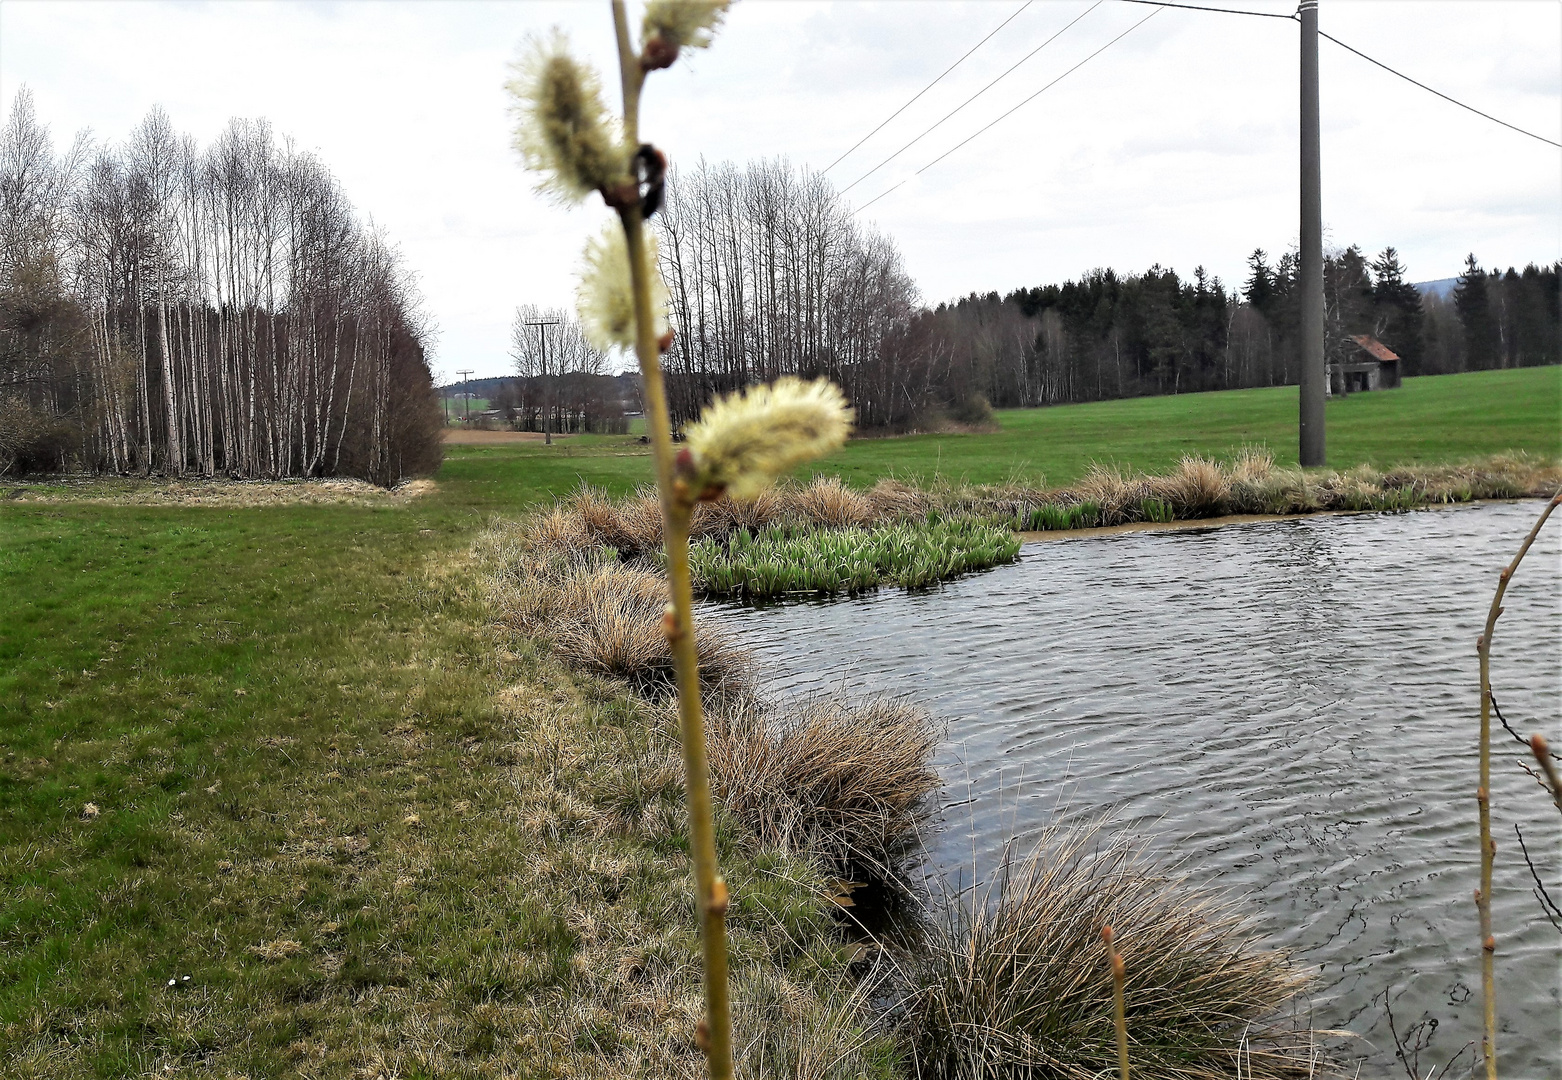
[1156, 510]
[777, 561]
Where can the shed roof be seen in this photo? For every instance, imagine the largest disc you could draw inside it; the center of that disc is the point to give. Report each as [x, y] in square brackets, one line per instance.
[1375, 348]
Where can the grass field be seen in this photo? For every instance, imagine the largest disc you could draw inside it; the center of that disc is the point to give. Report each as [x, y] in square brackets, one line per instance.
[1443, 418]
[457, 404]
[288, 722]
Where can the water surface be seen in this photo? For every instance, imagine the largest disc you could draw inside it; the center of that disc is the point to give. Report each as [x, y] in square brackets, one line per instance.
[1290, 705]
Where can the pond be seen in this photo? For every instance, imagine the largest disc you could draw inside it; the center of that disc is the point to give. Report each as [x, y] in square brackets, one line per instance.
[1289, 706]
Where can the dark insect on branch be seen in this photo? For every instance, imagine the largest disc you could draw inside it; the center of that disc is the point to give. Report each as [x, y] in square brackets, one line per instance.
[651, 175]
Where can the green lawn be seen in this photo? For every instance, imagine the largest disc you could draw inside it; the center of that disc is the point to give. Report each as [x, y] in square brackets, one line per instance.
[455, 404]
[1441, 418]
[245, 694]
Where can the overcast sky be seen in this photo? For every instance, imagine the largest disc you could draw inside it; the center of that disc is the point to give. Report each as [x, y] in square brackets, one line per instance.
[1176, 145]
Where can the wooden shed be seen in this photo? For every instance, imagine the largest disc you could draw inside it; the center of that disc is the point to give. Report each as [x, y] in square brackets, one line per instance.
[1372, 365]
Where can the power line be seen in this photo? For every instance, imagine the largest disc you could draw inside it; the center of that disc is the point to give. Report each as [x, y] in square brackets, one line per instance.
[1358, 52]
[1439, 93]
[929, 86]
[1016, 108]
[1223, 11]
[1159, 4]
[970, 99]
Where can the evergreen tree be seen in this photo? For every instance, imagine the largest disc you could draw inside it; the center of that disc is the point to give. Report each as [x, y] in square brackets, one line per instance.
[1472, 300]
[1397, 314]
[1260, 287]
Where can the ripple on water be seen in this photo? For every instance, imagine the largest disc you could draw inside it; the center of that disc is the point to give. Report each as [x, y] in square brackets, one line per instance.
[1290, 705]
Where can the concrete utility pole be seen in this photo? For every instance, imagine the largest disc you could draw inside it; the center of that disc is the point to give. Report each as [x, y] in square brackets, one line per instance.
[547, 413]
[466, 395]
[1315, 374]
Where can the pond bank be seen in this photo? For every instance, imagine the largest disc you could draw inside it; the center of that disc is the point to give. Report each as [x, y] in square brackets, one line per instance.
[1198, 524]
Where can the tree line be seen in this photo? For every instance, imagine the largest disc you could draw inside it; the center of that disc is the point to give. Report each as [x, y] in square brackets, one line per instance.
[768, 273]
[1112, 335]
[201, 311]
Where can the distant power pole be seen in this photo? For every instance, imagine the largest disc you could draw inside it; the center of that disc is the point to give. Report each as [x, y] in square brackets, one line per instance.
[547, 411]
[1315, 374]
[466, 395]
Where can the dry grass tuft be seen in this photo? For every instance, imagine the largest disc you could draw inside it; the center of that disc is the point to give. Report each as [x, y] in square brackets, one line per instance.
[1017, 984]
[782, 1029]
[600, 615]
[1197, 488]
[895, 501]
[830, 504]
[847, 782]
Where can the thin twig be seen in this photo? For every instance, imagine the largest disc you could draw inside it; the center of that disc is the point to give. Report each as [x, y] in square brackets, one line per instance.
[1543, 754]
[1483, 801]
[1548, 905]
[1521, 740]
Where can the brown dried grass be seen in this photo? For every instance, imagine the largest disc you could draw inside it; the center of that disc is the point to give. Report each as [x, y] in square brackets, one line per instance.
[830, 504]
[171, 491]
[600, 615]
[1016, 983]
[847, 782]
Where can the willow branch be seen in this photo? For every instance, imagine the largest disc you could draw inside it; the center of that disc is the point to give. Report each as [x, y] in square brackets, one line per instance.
[714, 1034]
[1483, 800]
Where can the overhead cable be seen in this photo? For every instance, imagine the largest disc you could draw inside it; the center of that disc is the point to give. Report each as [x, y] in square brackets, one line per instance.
[1358, 52]
[970, 99]
[1439, 93]
[1016, 108]
[929, 86]
[1223, 11]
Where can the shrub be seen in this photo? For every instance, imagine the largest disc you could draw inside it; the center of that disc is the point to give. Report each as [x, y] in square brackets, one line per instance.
[1016, 982]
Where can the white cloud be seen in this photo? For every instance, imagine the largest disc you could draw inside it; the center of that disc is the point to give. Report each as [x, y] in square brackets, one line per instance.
[1177, 145]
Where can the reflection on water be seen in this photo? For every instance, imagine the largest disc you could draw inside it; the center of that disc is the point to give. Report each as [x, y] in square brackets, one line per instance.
[1290, 705]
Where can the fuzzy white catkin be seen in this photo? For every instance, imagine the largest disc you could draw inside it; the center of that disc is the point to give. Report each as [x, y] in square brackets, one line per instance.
[688, 23]
[562, 129]
[604, 298]
[743, 441]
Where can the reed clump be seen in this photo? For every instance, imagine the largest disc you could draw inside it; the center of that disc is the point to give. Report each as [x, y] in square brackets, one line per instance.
[1016, 983]
[849, 783]
[1198, 488]
[1251, 483]
[819, 538]
[846, 783]
[599, 614]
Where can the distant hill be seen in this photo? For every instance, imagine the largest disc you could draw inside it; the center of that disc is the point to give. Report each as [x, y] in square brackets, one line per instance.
[1441, 288]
